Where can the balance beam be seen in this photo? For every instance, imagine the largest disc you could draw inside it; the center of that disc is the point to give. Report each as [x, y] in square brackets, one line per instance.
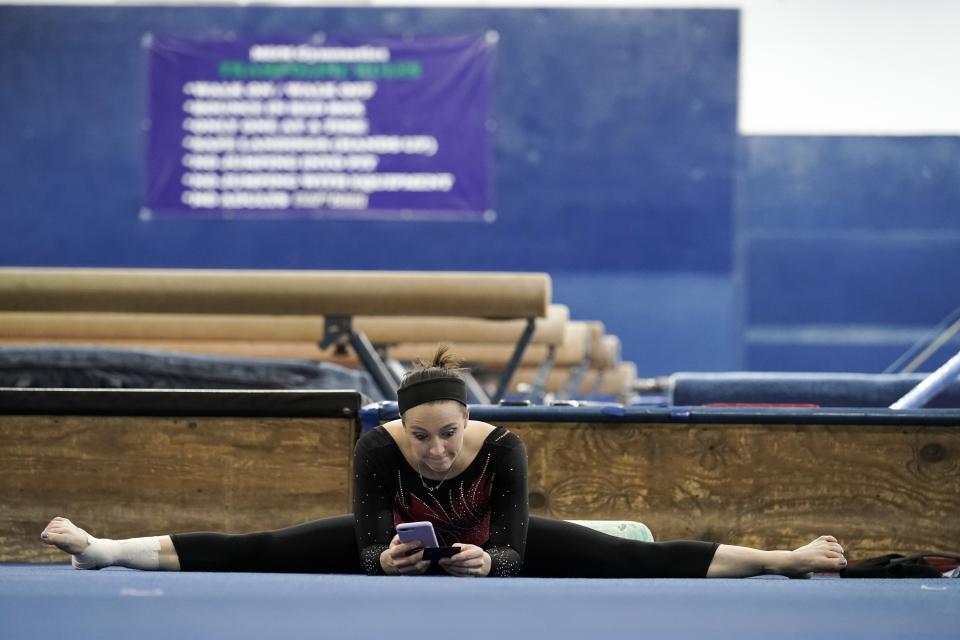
[337, 296]
[341, 293]
[615, 381]
[143, 328]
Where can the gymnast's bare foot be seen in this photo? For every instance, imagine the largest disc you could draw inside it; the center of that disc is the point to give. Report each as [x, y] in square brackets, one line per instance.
[823, 554]
[66, 536]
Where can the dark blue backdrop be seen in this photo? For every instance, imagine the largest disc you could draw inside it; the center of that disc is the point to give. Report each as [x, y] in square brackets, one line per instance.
[614, 149]
[618, 169]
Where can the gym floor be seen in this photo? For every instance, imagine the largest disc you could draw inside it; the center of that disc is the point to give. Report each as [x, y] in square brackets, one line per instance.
[57, 601]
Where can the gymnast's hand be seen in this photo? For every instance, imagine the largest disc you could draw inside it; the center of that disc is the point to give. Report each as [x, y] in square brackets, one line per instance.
[470, 561]
[404, 558]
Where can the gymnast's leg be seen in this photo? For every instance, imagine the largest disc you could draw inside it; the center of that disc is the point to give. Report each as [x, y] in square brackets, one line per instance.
[154, 553]
[328, 545]
[322, 546]
[823, 554]
[559, 549]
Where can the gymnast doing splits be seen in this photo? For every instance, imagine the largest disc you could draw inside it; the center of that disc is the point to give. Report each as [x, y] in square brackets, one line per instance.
[466, 477]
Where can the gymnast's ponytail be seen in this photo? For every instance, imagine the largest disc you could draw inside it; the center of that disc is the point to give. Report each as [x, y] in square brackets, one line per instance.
[437, 381]
[445, 364]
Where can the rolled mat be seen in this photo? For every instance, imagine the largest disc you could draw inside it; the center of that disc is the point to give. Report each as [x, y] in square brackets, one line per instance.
[821, 389]
[628, 529]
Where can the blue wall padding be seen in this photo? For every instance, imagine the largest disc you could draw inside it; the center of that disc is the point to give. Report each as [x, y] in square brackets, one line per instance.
[853, 233]
[822, 389]
[806, 356]
[666, 321]
[850, 183]
[872, 279]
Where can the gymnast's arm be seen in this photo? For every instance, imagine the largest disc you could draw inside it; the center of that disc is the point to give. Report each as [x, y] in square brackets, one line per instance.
[509, 514]
[372, 506]
[374, 492]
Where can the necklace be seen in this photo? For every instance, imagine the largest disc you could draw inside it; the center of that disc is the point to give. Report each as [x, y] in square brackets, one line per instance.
[444, 479]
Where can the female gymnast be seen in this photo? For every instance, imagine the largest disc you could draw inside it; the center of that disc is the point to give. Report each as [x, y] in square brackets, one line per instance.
[469, 479]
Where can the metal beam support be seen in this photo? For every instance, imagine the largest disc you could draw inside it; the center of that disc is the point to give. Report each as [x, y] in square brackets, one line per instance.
[397, 370]
[538, 388]
[927, 390]
[515, 359]
[475, 391]
[338, 328]
[597, 383]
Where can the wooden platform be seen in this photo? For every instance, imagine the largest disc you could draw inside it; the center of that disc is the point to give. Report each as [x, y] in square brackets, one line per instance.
[130, 463]
[170, 461]
[878, 488]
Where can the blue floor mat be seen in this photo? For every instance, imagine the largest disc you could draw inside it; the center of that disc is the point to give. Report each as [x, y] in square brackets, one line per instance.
[56, 601]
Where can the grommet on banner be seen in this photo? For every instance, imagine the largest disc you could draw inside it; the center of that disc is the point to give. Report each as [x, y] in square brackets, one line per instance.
[147, 40]
[492, 37]
[490, 216]
[146, 215]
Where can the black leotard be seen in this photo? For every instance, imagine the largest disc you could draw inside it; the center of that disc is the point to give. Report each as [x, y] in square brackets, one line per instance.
[484, 505]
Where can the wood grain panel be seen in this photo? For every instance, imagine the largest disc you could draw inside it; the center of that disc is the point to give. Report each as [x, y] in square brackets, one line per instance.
[132, 476]
[879, 489]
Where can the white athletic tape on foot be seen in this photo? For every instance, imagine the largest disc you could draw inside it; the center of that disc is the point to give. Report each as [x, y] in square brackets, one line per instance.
[135, 553]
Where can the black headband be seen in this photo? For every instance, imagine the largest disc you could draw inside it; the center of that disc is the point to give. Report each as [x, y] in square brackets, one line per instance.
[430, 390]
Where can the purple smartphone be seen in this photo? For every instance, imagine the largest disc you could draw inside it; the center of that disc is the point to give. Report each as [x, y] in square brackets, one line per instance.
[422, 531]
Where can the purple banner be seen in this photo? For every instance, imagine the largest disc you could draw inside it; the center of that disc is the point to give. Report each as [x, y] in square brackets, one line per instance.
[344, 127]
